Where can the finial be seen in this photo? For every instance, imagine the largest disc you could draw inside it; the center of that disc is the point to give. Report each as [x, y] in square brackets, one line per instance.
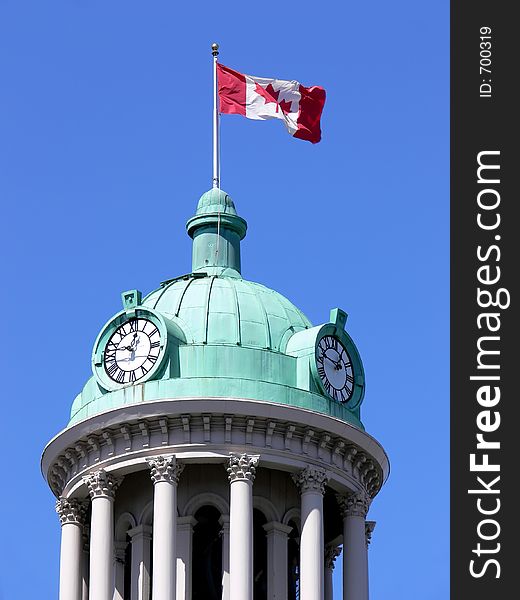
[214, 49]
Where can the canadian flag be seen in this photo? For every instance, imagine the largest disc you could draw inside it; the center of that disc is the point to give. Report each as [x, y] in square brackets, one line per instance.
[259, 98]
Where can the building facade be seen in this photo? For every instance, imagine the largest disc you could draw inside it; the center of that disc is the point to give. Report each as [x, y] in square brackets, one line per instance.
[217, 452]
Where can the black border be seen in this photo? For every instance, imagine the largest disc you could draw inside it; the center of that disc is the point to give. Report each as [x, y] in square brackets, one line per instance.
[482, 124]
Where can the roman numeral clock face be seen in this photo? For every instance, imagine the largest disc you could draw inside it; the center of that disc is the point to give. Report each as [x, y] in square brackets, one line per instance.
[335, 368]
[132, 350]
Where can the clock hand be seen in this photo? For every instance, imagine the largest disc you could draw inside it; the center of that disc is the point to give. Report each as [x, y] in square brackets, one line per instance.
[337, 365]
[135, 341]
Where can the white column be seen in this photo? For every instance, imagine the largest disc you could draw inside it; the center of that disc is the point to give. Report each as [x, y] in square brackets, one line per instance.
[354, 508]
[311, 482]
[224, 522]
[185, 527]
[72, 518]
[277, 560]
[119, 570]
[141, 540]
[101, 486]
[165, 474]
[241, 472]
[331, 553]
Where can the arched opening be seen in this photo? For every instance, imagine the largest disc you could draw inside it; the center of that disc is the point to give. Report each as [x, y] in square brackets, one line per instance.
[123, 557]
[293, 562]
[207, 555]
[259, 556]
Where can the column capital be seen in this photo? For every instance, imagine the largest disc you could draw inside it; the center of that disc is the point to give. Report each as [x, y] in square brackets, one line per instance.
[165, 468]
[143, 531]
[369, 528]
[101, 484]
[242, 467]
[273, 527]
[331, 553]
[71, 510]
[311, 479]
[353, 505]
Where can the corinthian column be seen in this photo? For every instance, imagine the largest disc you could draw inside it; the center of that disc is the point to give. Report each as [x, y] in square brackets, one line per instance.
[331, 553]
[165, 473]
[354, 508]
[311, 482]
[102, 487]
[241, 471]
[72, 518]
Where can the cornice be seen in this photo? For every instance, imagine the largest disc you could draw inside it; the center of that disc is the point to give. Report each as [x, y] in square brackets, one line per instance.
[275, 438]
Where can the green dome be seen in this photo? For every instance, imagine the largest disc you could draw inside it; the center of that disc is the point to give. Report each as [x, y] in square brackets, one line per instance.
[228, 310]
[227, 337]
[215, 201]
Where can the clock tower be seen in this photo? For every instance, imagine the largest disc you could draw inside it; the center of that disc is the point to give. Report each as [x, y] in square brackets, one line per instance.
[217, 452]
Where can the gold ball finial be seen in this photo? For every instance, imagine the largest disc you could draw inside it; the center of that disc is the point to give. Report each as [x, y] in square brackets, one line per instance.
[214, 49]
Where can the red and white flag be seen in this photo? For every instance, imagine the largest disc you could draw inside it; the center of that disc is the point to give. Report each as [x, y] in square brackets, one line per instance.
[259, 98]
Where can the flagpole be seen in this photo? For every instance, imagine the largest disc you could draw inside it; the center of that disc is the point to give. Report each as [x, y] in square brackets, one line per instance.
[216, 141]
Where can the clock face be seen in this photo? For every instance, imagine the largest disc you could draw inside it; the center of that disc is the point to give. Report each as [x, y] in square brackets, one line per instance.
[132, 350]
[335, 368]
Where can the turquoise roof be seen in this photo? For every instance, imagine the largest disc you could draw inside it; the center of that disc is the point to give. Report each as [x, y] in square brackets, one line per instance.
[228, 310]
[214, 201]
[230, 336]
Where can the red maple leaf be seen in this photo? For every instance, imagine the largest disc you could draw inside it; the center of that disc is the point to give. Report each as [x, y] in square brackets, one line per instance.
[268, 94]
[286, 105]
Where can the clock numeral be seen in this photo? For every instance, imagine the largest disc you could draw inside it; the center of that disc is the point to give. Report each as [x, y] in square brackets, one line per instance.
[132, 377]
[112, 368]
[321, 370]
[134, 325]
[350, 379]
[155, 344]
[120, 377]
[344, 395]
[152, 358]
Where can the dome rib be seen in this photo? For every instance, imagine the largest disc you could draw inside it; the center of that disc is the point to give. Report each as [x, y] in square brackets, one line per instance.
[206, 311]
[181, 296]
[237, 312]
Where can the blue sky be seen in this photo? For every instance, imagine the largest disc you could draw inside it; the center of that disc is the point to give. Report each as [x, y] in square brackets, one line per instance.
[105, 136]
